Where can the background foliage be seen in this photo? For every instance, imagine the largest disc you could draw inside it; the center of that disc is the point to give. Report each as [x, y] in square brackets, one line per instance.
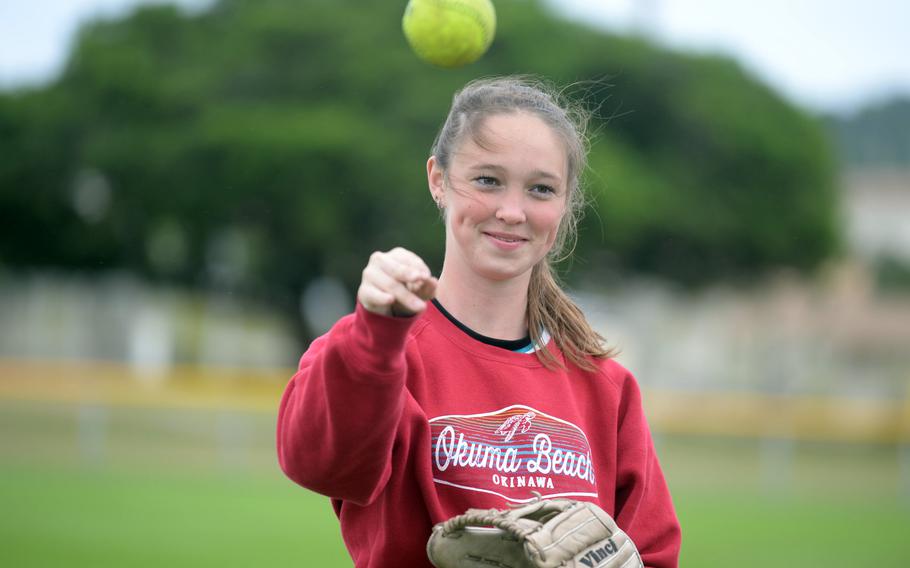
[263, 143]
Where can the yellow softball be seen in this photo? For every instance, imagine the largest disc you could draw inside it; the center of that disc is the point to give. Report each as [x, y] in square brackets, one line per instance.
[449, 33]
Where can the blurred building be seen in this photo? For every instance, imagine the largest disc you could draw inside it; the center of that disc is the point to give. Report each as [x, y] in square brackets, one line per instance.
[877, 213]
[119, 318]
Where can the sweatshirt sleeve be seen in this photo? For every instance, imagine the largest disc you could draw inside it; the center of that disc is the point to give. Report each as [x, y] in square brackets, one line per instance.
[340, 411]
[644, 508]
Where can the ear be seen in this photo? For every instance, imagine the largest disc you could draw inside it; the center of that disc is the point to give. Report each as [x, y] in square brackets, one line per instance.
[436, 179]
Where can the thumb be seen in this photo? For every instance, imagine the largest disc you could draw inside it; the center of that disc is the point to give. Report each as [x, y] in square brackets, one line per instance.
[425, 289]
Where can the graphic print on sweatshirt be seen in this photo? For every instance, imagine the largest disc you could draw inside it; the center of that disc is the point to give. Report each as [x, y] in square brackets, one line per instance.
[512, 452]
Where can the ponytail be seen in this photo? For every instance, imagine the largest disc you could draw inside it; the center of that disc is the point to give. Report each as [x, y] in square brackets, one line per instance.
[550, 310]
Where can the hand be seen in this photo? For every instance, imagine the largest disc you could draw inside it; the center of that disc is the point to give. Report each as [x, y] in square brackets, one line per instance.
[396, 282]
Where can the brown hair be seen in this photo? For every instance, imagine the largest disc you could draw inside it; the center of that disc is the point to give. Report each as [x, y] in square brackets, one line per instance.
[549, 308]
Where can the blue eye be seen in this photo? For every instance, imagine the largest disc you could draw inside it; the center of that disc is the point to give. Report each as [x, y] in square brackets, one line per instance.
[486, 181]
[543, 190]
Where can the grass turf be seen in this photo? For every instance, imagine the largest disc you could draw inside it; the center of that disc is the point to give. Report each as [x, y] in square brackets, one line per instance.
[120, 518]
[750, 530]
[129, 518]
[157, 487]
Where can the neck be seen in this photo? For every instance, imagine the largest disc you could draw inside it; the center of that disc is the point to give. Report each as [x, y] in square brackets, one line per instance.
[492, 308]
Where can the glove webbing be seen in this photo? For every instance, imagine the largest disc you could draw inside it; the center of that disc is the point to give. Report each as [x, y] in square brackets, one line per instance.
[512, 526]
[480, 518]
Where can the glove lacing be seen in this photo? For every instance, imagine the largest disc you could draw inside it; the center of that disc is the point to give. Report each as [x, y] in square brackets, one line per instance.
[495, 518]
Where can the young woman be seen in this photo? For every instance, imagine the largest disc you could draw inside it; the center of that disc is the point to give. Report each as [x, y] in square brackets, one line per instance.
[485, 386]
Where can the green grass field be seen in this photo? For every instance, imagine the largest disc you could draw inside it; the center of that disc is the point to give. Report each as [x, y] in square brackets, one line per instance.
[99, 487]
[117, 518]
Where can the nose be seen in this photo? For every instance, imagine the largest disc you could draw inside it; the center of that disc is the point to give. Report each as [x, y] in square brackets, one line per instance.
[510, 209]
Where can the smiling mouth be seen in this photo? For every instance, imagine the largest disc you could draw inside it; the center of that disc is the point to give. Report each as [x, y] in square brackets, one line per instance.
[506, 238]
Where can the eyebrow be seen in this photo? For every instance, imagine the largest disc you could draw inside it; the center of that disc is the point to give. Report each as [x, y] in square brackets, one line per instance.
[534, 174]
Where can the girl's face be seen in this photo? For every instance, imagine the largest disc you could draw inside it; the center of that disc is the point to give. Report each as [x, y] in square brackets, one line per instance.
[504, 200]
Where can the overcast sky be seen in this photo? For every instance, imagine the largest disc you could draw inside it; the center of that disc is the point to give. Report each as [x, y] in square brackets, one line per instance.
[823, 54]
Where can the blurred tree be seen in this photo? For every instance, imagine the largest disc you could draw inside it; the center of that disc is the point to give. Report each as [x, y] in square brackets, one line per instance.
[262, 143]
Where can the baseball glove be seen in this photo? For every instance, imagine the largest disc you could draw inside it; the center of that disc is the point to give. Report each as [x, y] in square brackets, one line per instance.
[546, 533]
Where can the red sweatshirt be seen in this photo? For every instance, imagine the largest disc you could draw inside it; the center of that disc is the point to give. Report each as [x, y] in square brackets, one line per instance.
[405, 422]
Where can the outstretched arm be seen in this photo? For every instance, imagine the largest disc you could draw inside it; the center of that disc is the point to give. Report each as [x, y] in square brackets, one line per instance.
[340, 412]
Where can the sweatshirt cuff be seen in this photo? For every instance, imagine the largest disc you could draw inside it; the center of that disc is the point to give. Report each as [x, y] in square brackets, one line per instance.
[380, 340]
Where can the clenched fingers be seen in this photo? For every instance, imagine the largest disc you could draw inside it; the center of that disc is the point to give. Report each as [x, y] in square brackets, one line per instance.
[396, 282]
